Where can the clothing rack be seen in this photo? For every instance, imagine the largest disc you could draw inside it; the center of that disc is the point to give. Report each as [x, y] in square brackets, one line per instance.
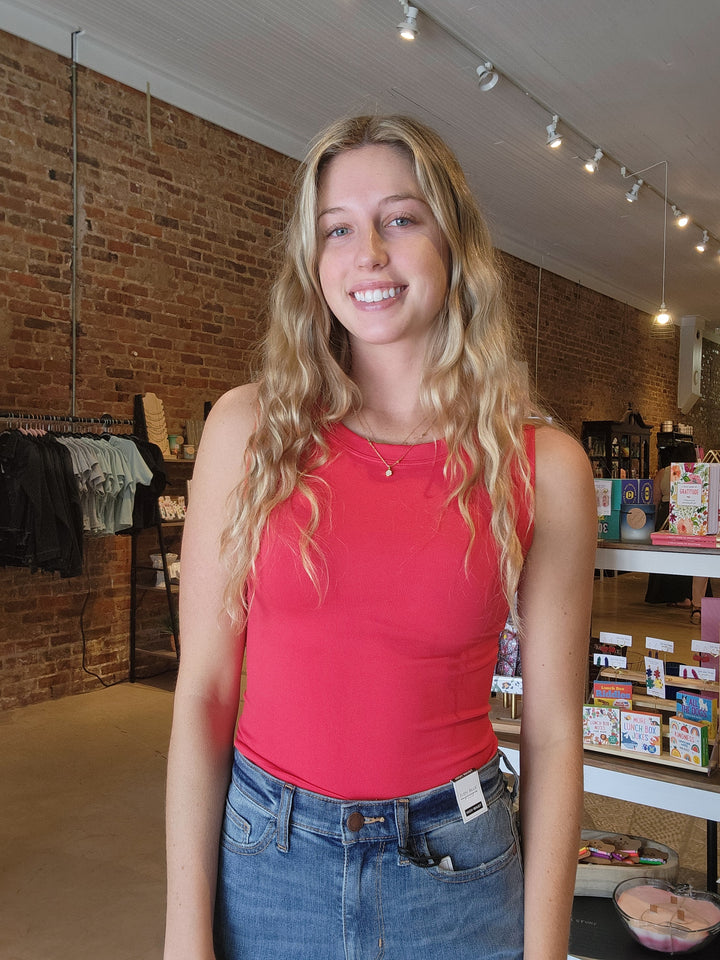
[104, 419]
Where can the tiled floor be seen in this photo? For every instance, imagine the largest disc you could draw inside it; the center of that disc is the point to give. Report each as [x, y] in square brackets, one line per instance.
[81, 810]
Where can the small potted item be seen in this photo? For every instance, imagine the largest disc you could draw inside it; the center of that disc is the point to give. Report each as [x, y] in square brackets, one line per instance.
[666, 918]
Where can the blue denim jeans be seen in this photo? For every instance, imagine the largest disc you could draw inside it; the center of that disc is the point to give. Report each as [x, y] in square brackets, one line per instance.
[307, 877]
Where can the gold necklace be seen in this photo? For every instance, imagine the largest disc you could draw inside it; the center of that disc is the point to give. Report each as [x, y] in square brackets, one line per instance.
[390, 466]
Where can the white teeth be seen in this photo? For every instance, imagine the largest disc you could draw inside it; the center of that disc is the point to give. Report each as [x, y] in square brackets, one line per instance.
[375, 296]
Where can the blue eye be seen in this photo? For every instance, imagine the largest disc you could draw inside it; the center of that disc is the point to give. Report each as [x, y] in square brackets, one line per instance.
[401, 221]
[338, 232]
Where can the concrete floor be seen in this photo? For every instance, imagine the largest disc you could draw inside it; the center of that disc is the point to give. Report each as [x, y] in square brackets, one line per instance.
[82, 868]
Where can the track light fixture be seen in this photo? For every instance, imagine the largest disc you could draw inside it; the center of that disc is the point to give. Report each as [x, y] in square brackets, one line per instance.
[408, 29]
[487, 76]
[554, 139]
[591, 164]
[632, 194]
[681, 219]
[701, 247]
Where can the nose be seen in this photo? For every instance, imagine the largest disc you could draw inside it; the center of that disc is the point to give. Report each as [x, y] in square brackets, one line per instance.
[371, 250]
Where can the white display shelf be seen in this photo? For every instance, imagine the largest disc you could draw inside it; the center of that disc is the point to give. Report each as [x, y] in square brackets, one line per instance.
[678, 789]
[647, 558]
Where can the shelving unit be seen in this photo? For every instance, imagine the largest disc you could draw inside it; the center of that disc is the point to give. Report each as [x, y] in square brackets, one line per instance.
[672, 439]
[618, 774]
[156, 642]
[143, 577]
[618, 448]
[654, 559]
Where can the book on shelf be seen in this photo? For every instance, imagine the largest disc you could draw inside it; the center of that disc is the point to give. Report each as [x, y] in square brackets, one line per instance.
[664, 539]
[641, 732]
[699, 707]
[694, 497]
[688, 741]
[601, 726]
[612, 693]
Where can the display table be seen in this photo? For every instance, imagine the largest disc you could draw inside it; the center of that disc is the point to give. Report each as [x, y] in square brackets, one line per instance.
[597, 933]
[647, 558]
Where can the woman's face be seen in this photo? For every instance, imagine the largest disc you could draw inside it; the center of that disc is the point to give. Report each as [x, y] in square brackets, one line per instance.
[382, 259]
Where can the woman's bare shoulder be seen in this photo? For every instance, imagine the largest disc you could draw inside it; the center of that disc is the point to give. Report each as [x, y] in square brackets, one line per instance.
[557, 450]
[230, 423]
[563, 476]
[233, 415]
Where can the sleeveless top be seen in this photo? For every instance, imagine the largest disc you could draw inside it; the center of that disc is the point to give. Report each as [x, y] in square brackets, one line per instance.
[377, 685]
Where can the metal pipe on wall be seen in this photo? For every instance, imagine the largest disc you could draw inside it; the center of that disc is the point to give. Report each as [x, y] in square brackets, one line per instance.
[75, 206]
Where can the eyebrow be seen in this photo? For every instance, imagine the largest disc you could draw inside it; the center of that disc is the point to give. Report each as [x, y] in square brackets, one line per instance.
[393, 198]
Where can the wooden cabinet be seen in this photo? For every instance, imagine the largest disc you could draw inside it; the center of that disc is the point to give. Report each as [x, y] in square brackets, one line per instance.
[618, 448]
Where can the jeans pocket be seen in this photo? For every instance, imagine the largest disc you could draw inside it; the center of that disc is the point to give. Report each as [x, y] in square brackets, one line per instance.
[247, 827]
[475, 849]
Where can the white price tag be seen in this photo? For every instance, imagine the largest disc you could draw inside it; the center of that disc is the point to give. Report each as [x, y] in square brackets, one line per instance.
[606, 660]
[469, 795]
[616, 639]
[654, 643]
[706, 646]
[687, 672]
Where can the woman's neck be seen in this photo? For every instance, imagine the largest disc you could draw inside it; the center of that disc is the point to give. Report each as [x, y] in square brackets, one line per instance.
[389, 382]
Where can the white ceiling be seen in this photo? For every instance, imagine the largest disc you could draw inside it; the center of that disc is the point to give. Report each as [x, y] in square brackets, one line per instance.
[639, 79]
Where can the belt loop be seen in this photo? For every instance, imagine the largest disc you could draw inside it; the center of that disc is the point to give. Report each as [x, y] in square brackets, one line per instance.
[516, 778]
[283, 823]
[402, 824]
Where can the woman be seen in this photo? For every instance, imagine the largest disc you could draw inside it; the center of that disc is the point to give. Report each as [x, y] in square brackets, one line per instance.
[361, 522]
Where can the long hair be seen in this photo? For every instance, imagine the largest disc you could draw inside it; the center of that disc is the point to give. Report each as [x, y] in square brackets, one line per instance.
[472, 386]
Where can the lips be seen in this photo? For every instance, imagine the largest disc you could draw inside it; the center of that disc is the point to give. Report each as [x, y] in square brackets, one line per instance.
[376, 294]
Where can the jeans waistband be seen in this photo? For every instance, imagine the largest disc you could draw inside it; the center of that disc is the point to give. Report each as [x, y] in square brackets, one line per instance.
[361, 820]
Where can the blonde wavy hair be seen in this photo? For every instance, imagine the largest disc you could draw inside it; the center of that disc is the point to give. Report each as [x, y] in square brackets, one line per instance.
[472, 386]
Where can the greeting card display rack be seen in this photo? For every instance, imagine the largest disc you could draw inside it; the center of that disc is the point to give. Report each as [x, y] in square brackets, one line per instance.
[655, 559]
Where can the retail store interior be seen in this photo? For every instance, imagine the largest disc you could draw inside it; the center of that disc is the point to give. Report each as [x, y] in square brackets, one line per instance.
[146, 159]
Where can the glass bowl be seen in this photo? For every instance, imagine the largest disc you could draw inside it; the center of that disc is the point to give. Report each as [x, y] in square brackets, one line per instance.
[666, 918]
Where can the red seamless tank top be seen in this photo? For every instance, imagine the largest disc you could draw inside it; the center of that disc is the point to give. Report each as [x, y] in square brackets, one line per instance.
[380, 687]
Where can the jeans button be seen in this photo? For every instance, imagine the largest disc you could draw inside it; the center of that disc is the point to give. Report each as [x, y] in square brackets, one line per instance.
[355, 822]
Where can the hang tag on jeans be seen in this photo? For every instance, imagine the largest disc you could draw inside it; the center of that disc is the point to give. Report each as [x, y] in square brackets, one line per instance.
[469, 795]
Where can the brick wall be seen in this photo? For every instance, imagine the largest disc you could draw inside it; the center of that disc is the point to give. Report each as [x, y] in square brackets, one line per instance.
[595, 355]
[174, 260]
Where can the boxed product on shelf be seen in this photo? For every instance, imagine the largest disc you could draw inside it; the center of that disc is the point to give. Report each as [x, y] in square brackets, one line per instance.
[641, 732]
[695, 706]
[601, 726]
[609, 693]
[689, 741]
[608, 495]
[636, 492]
[637, 522]
[694, 498]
